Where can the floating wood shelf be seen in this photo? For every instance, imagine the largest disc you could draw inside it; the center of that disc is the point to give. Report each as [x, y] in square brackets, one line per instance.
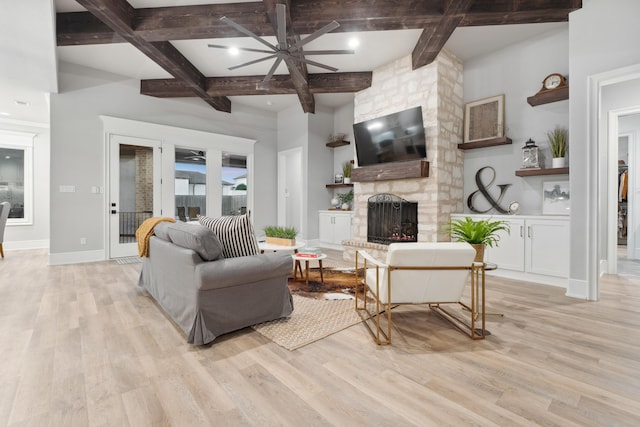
[389, 171]
[537, 172]
[551, 96]
[339, 185]
[337, 143]
[503, 140]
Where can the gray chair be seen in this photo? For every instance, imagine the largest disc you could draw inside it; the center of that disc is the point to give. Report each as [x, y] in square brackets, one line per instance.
[5, 207]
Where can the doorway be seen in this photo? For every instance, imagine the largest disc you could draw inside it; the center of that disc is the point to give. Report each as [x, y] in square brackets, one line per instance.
[290, 182]
[134, 190]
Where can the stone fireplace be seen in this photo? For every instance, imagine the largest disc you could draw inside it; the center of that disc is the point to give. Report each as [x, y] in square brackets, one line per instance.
[437, 88]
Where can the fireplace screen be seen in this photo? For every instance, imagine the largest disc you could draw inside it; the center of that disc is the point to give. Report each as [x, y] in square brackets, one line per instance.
[391, 219]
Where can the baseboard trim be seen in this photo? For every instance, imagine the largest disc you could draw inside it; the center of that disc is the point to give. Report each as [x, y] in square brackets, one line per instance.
[558, 282]
[578, 289]
[20, 245]
[76, 257]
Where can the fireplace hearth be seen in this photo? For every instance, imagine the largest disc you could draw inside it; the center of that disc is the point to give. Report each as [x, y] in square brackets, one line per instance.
[391, 219]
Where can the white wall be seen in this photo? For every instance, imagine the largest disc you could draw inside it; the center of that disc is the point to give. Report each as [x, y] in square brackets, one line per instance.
[77, 156]
[35, 235]
[517, 72]
[602, 37]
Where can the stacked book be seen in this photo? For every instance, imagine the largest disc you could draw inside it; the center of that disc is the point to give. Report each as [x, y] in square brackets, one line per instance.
[309, 252]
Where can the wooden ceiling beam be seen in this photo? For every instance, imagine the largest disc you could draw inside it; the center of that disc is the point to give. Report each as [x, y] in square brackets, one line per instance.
[246, 85]
[119, 16]
[203, 21]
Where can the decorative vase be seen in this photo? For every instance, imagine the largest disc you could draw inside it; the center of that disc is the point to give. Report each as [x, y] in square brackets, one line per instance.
[345, 206]
[479, 247]
[346, 180]
[558, 162]
[335, 202]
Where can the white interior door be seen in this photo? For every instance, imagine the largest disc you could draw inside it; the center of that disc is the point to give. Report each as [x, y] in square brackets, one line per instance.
[290, 189]
[134, 190]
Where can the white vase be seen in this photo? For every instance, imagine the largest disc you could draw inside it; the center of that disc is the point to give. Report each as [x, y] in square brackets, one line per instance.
[558, 162]
[346, 180]
[345, 206]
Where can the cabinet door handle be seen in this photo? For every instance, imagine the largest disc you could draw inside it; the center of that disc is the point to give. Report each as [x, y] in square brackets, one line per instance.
[522, 231]
[529, 231]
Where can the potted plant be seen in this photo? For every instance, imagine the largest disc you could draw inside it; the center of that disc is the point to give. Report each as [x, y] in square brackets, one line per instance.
[479, 233]
[558, 142]
[345, 199]
[278, 235]
[346, 172]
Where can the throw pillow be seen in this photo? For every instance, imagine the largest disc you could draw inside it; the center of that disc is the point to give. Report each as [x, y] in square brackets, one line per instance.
[235, 233]
[197, 238]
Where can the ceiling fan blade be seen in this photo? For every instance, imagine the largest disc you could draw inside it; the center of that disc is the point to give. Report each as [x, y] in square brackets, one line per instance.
[281, 11]
[328, 52]
[329, 27]
[245, 49]
[264, 85]
[314, 63]
[247, 32]
[252, 62]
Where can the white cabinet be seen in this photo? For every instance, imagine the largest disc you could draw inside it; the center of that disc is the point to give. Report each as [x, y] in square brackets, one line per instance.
[537, 248]
[334, 226]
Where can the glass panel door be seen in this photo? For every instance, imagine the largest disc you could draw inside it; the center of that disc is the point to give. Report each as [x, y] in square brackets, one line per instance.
[134, 190]
[190, 184]
[234, 184]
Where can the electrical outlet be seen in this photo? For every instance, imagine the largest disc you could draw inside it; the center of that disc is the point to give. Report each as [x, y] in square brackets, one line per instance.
[83, 240]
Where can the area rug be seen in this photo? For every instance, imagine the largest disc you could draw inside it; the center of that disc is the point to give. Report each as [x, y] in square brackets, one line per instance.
[320, 309]
[312, 319]
[128, 260]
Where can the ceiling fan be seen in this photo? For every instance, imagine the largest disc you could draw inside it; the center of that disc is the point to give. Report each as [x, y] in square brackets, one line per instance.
[284, 50]
[197, 155]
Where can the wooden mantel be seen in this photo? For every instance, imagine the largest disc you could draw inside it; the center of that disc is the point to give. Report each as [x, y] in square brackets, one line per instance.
[389, 171]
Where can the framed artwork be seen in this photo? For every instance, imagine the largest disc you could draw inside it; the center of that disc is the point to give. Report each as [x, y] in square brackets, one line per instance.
[555, 198]
[484, 119]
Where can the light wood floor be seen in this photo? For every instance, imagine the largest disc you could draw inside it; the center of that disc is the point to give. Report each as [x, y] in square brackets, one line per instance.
[81, 345]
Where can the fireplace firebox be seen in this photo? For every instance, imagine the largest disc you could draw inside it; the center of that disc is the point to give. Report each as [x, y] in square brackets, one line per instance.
[391, 219]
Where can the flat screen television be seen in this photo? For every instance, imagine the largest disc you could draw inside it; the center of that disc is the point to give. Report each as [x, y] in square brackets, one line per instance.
[396, 137]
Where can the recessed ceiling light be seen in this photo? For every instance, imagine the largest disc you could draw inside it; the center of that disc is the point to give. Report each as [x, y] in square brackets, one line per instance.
[234, 51]
[269, 103]
[354, 42]
[7, 157]
[2, 113]
[23, 103]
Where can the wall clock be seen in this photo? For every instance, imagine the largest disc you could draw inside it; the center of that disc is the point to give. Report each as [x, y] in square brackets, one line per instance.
[514, 208]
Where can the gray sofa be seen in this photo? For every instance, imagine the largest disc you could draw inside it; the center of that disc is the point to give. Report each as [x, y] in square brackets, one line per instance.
[207, 295]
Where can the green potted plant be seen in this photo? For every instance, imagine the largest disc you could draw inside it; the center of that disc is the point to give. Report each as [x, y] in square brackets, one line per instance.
[278, 235]
[346, 172]
[345, 199]
[558, 142]
[478, 234]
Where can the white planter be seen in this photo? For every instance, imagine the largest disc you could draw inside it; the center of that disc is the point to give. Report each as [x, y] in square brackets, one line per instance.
[347, 180]
[559, 162]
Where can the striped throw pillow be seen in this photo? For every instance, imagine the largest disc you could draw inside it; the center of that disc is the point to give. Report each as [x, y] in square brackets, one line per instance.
[235, 233]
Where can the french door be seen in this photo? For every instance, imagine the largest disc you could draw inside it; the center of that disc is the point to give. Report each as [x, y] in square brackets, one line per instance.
[134, 190]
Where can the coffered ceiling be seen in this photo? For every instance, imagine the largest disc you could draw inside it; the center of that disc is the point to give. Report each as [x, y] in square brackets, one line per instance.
[164, 43]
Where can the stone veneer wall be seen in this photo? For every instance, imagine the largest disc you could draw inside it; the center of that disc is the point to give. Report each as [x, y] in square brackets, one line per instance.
[437, 88]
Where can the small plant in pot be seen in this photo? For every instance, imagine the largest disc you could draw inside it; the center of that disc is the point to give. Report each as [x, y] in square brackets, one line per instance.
[278, 235]
[559, 143]
[346, 172]
[345, 199]
[478, 234]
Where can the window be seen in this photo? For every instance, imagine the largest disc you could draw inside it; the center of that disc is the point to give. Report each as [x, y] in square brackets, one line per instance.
[190, 184]
[16, 175]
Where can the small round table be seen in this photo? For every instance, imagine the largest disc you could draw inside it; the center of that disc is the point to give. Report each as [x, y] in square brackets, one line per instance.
[264, 246]
[297, 258]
